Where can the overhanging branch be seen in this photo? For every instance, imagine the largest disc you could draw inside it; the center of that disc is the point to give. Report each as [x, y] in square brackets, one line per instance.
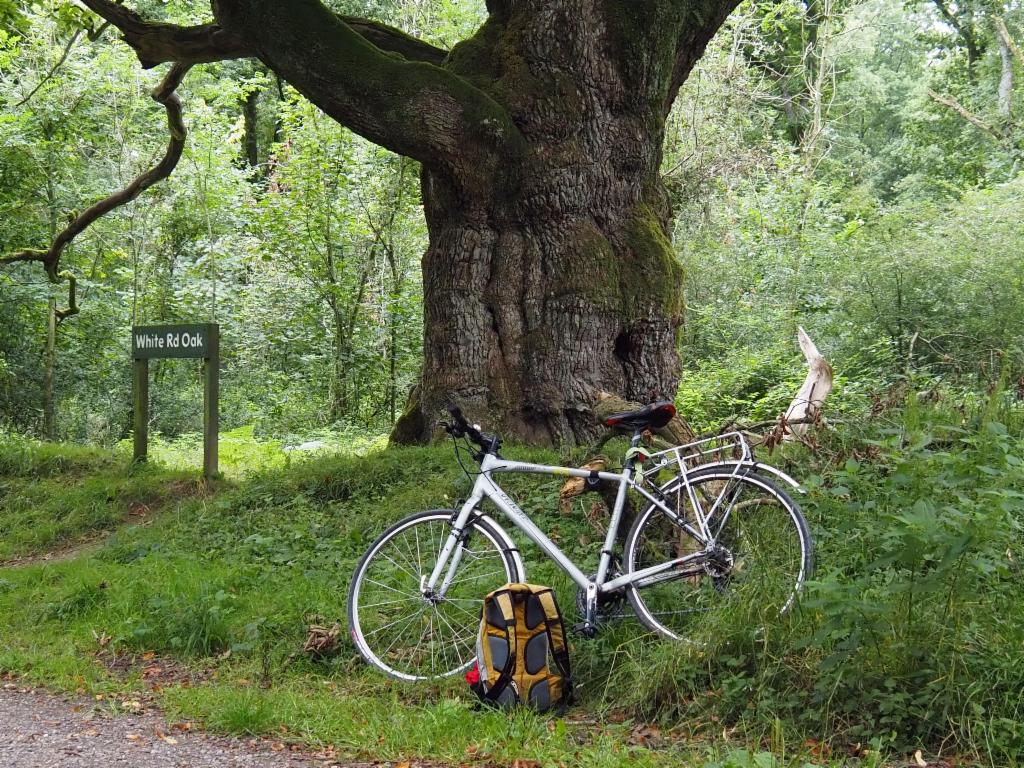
[163, 94]
[382, 83]
[413, 108]
[706, 17]
[156, 43]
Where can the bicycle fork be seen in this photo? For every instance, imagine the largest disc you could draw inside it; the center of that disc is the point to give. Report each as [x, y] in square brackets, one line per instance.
[450, 556]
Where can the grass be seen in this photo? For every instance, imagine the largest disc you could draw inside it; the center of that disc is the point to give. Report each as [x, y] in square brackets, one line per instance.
[241, 454]
[904, 642]
[60, 496]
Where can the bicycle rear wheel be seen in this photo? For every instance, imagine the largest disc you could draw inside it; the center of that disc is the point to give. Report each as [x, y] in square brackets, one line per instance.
[761, 555]
[405, 633]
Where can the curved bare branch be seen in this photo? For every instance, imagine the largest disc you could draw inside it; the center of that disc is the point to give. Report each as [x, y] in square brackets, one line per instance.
[50, 258]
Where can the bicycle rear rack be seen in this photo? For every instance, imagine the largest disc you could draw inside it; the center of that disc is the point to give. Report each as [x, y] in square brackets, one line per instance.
[730, 446]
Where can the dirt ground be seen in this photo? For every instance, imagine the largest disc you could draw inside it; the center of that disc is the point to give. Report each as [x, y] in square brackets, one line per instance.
[41, 730]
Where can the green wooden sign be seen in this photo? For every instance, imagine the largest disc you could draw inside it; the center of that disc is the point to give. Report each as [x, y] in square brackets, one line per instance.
[150, 341]
[182, 341]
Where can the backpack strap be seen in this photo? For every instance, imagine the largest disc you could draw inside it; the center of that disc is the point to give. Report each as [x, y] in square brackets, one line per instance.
[556, 640]
[503, 599]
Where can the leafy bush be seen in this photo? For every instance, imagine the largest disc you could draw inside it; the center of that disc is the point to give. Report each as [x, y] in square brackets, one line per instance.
[906, 632]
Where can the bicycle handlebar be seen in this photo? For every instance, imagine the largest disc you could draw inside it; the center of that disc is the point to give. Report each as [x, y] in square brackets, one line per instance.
[460, 427]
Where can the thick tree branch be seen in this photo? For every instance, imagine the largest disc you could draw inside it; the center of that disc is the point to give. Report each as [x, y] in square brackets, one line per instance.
[370, 77]
[156, 43]
[393, 40]
[973, 119]
[413, 108]
[50, 258]
[704, 20]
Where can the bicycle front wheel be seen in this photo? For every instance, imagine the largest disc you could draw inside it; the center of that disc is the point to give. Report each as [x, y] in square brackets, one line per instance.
[411, 635]
[757, 563]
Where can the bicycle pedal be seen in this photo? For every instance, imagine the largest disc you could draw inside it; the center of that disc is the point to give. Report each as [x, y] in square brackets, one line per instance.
[588, 631]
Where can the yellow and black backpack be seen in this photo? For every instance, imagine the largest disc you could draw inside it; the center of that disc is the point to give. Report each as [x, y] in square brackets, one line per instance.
[521, 633]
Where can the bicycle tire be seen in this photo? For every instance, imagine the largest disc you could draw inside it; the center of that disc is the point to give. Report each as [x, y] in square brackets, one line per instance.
[400, 631]
[765, 556]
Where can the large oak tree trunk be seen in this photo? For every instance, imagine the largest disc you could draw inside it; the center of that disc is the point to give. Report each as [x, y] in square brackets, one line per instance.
[552, 279]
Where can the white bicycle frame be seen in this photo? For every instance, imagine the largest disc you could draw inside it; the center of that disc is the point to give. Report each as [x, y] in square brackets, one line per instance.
[486, 488]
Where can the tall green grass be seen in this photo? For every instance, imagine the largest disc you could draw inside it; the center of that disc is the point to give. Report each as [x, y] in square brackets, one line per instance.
[54, 496]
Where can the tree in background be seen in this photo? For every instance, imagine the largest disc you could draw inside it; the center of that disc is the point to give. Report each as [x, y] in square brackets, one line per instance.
[814, 180]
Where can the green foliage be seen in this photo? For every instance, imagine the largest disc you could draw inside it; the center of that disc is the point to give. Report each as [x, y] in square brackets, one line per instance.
[903, 634]
[308, 260]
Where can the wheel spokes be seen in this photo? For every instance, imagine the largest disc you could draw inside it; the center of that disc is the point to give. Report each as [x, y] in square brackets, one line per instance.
[415, 635]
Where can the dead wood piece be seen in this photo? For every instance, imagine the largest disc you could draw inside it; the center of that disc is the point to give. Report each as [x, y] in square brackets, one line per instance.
[322, 641]
[806, 406]
[574, 486]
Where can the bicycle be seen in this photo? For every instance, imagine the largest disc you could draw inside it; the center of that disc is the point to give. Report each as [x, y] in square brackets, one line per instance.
[718, 530]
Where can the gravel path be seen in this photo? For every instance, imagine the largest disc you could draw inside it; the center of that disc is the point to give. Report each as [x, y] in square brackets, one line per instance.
[40, 730]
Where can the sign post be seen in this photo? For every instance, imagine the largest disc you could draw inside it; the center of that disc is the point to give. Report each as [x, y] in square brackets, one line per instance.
[180, 341]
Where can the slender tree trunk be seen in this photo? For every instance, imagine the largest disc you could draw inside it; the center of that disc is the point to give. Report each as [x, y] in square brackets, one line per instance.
[392, 369]
[49, 422]
[339, 389]
[344, 338]
[50, 363]
[250, 116]
[1005, 81]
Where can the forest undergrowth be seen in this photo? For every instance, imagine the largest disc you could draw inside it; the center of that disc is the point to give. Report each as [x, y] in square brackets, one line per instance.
[909, 637]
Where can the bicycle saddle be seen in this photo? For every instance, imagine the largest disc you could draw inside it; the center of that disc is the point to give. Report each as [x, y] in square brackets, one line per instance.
[653, 416]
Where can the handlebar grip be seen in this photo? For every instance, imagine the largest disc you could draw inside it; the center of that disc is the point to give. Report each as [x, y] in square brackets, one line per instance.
[465, 428]
[461, 427]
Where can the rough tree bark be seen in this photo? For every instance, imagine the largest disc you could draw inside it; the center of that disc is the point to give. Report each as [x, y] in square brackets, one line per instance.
[549, 276]
[559, 282]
